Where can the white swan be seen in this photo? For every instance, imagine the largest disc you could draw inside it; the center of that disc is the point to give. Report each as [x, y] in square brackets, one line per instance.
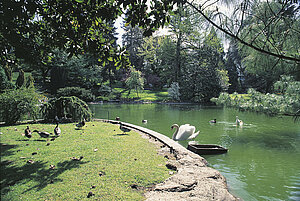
[184, 132]
[238, 121]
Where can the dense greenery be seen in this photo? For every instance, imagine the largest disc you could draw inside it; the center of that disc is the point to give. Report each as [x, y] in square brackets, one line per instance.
[66, 45]
[285, 102]
[82, 93]
[111, 162]
[18, 104]
[65, 107]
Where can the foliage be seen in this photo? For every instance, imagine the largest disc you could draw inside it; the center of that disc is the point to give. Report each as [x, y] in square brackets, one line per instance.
[15, 104]
[29, 81]
[284, 103]
[82, 93]
[103, 164]
[4, 82]
[145, 95]
[255, 24]
[66, 107]
[135, 81]
[173, 91]
[132, 40]
[21, 79]
[33, 28]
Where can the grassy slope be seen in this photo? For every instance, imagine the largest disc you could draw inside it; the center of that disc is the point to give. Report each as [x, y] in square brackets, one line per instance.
[145, 95]
[122, 159]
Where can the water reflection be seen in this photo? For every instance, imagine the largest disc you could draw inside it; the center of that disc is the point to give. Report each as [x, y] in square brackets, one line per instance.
[263, 158]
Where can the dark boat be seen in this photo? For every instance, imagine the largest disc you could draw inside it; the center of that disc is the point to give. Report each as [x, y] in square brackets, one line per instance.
[206, 149]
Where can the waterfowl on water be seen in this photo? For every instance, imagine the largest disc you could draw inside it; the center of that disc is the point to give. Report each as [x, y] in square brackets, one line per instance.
[184, 132]
[57, 130]
[28, 132]
[238, 121]
[213, 121]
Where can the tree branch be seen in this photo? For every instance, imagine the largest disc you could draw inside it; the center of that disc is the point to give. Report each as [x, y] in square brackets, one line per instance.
[242, 41]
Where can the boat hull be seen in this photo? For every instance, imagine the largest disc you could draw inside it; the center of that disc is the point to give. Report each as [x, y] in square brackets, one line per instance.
[207, 149]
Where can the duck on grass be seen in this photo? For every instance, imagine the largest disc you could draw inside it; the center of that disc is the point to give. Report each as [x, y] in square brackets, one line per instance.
[54, 173]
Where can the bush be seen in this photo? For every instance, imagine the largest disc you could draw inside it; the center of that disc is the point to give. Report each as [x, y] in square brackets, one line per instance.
[66, 107]
[81, 93]
[4, 81]
[173, 91]
[16, 104]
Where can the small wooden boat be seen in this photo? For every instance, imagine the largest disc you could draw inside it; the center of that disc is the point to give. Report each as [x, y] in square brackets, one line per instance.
[206, 149]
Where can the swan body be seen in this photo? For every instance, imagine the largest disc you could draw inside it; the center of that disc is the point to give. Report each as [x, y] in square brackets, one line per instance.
[57, 130]
[238, 121]
[184, 132]
[28, 132]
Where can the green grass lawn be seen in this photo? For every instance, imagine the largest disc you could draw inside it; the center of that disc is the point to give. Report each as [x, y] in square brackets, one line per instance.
[111, 162]
[145, 95]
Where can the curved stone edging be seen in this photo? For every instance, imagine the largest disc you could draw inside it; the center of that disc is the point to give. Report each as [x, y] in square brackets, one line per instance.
[193, 180]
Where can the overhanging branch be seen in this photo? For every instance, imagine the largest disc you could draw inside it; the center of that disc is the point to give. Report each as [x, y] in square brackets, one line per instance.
[242, 41]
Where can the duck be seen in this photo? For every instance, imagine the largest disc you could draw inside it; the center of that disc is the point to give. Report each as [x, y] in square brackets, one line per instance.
[81, 124]
[213, 121]
[184, 132]
[144, 121]
[238, 121]
[28, 132]
[124, 129]
[57, 130]
[43, 134]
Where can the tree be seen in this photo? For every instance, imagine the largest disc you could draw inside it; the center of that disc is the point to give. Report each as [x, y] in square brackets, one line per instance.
[135, 81]
[31, 29]
[283, 12]
[132, 41]
[4, 82]
[21, 79]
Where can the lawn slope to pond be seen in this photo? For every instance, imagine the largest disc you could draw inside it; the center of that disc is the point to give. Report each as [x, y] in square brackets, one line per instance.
[112, 163]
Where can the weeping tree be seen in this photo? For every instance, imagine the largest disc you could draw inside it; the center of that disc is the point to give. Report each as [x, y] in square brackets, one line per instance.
[21, 79]
[66, 107]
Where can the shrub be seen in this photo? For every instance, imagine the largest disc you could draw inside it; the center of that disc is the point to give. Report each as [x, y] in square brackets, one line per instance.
[4, 81]
[81, 93]
[173, 91]
[15, 104]
[71, 107]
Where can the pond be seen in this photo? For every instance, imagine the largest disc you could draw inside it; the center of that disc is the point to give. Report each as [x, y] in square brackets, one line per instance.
[263, 162]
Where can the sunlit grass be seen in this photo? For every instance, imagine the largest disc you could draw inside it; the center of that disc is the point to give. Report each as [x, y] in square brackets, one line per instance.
[145, 95]
[245, 96]
[111, 162]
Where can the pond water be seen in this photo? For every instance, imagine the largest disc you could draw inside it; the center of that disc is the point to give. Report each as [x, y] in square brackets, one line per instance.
[263, 162]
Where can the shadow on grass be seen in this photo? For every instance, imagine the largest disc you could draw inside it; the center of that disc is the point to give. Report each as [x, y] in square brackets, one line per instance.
[121, 134]
[5, 149]
[40, 172]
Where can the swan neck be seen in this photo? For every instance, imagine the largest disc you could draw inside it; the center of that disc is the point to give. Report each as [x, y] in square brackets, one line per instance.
[175, 133]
